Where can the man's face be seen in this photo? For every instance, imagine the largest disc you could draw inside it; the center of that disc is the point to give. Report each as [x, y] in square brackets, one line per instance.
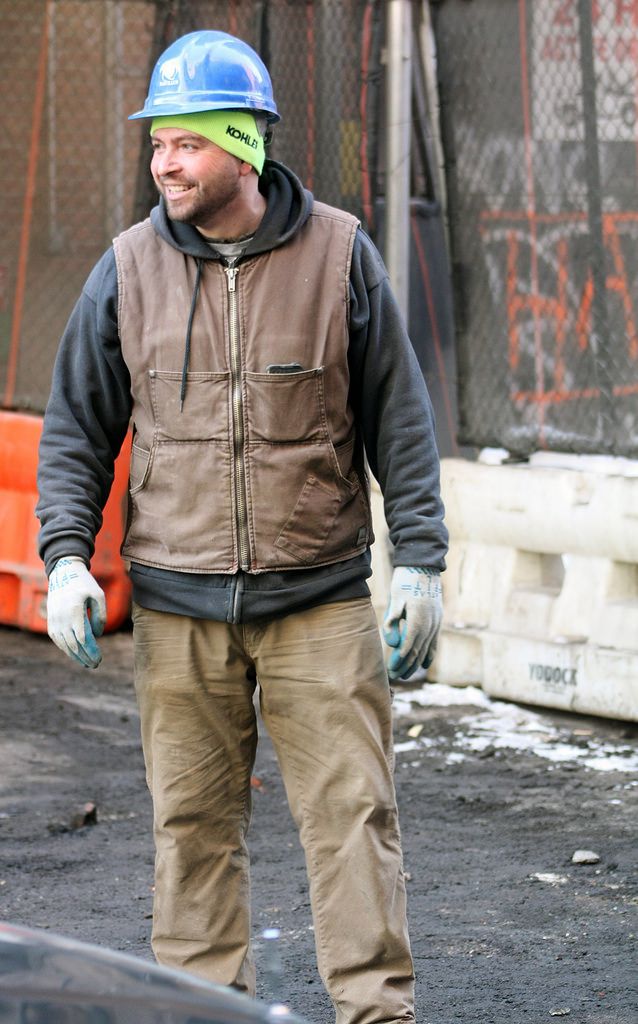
[196, 177]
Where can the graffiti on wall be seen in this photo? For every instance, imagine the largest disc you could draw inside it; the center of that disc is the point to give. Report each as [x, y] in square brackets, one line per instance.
[549, 231]
[543, 273]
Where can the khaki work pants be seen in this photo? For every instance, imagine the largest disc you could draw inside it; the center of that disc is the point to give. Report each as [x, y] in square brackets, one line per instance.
[325, 700]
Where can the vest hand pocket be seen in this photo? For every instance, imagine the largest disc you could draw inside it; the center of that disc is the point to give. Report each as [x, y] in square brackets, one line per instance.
[308, 526]
[139, 468]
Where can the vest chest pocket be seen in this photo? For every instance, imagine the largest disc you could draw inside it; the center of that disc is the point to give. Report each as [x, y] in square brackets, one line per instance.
[286, 407]
[205, 410]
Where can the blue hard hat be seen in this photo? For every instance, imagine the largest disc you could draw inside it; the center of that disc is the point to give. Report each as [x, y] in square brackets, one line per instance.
[208, 70]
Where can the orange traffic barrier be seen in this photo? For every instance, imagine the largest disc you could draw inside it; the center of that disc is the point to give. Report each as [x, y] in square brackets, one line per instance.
[23, 582]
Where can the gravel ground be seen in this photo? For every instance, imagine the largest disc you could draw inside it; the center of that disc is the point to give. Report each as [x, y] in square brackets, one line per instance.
[504, 926]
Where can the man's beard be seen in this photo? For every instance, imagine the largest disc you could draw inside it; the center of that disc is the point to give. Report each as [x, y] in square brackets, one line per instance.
[202, 207]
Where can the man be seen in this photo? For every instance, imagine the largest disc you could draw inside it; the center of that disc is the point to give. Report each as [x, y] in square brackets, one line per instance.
[249, 334]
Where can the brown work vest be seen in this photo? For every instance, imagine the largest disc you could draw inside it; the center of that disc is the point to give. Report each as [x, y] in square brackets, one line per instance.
[259, 469]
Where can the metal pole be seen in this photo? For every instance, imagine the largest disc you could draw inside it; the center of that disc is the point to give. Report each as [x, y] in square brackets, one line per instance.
[115, 121]
[600, 339]
[397, 234]
[54, 229]
[428, 57]
[398, 132]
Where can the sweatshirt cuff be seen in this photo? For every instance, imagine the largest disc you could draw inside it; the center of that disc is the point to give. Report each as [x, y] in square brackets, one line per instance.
[69, 548]
[419, 560]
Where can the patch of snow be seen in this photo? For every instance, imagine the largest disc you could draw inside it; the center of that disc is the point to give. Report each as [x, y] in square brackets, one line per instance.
[403, 748]
[455, 758]
[501, 725]
[549, 877]
[441, 696]
[608, 761]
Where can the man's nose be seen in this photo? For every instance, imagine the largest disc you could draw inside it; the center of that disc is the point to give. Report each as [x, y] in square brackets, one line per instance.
[164, 161]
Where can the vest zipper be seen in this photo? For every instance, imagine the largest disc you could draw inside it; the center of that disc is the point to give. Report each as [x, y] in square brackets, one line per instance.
[239, 468]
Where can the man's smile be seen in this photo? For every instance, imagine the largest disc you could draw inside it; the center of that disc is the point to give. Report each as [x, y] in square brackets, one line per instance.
[175, 191]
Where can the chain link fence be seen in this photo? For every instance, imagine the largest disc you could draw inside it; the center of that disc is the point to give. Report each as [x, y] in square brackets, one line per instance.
[539, 102]
[75, 170]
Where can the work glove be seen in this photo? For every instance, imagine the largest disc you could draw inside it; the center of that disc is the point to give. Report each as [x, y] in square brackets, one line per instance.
[413, 619]
[72, 594]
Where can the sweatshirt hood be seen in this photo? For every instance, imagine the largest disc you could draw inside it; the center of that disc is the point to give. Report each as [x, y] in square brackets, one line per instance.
[288, 207]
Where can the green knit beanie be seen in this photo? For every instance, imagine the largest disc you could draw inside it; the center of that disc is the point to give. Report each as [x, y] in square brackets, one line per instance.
[232, 130]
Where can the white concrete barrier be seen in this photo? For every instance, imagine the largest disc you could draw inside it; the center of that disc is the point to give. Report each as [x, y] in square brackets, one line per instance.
[381, 554]
[541, 591]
